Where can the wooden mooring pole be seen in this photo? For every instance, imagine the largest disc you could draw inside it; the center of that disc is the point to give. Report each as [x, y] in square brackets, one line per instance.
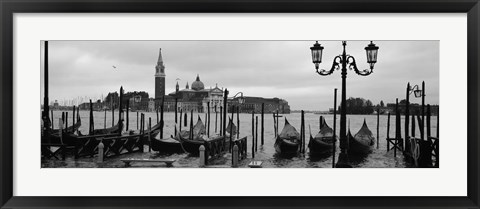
[113, 115]
[225, 109]
[221, 120]
[256, 133]
[397, 129]
[91, 127]
[274, 127]
[176, 116]
[302, 132]
[185, 118]
[208, 122]
[334, 126]
[150, 134]
[191, 125]
[137, 120]
[66, 120]
[407, 112]
[53, 127]
[253, 133]
[231, 129]
[428, 122]
[73, 116]
[143, 132]
[162, 122]
[128, 117]
[423, 113]
[388, 131]
[263, 123]
[378, 126]
[238, 122]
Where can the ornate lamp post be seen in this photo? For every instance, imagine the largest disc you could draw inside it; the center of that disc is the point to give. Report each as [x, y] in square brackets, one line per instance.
[415, 90]
[343, 62]
[241, 99]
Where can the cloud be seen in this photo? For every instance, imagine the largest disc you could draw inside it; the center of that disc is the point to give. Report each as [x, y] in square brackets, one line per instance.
[281, 69]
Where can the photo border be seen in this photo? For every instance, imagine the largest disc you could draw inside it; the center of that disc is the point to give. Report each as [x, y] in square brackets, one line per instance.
[9, 7]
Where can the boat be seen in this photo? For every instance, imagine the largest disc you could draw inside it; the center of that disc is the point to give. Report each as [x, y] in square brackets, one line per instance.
[191, 142]
[68, 136]
[323, 142]
[288, 141]
[166, 145]
[114, 129]
[69, 130]
[362, 142]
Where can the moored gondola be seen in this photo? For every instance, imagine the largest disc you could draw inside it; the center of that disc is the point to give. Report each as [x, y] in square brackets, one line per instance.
[323, 142]
[288, 141]
[69, 130]
[362, 142]
[192, 140]
[166, 145]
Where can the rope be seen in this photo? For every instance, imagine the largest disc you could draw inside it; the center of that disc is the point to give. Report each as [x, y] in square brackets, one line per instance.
[415, 150]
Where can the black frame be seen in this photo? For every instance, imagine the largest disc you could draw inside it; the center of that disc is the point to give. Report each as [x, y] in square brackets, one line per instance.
[9, 7]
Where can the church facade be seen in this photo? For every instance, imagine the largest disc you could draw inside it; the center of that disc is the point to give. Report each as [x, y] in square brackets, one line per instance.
[195, 98]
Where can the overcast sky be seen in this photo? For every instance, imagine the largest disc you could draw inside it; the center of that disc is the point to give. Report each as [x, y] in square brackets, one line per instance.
[281, 69]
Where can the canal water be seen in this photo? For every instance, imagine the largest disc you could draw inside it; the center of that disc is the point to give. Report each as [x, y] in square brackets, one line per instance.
[379, 158]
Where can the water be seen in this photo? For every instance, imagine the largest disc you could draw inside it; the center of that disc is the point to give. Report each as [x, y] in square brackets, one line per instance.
[379, 158]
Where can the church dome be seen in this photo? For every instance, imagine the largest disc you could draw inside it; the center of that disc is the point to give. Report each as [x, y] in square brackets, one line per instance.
[197, 84]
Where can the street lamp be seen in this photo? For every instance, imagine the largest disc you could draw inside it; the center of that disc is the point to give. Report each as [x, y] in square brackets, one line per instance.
[343, 62]
[241, 99]
[416, 91]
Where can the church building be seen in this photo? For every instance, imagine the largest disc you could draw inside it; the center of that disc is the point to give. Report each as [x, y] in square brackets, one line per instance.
[195, 98]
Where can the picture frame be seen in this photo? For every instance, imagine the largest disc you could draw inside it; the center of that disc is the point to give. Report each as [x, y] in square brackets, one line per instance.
[9, 8]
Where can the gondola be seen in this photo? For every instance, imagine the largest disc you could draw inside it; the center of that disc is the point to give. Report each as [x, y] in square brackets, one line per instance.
[69, 130]
[166, 145]
[362, 142]
[288, 141]
[68, 136]
[114, 129]
[191, 142]
[323, 142]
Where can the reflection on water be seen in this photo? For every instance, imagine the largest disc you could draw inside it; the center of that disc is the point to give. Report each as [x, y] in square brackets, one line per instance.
[379, 158]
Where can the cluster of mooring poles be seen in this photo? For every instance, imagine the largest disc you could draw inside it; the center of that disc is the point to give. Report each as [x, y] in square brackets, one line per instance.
[422, 151]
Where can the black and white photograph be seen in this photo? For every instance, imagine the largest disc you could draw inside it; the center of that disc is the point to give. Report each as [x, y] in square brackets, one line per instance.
[239, 104]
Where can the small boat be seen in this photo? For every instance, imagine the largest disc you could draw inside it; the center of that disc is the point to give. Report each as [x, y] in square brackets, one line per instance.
[68, 136]
[69, 130]
[362, 142]
[166, 145]
[191, 142]
[288, 141]
[323, 142]
[114, 129]
[154, 131]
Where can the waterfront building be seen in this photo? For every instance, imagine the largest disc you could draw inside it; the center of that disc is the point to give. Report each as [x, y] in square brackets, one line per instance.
[197, 97]
[255, 104]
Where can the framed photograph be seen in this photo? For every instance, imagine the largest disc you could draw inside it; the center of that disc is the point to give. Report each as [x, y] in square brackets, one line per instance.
[164, 104]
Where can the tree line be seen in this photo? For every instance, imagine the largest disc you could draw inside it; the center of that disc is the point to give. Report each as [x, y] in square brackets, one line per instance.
[360, 106]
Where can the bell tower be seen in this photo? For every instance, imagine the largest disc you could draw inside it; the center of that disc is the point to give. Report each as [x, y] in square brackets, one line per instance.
[159, 77]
